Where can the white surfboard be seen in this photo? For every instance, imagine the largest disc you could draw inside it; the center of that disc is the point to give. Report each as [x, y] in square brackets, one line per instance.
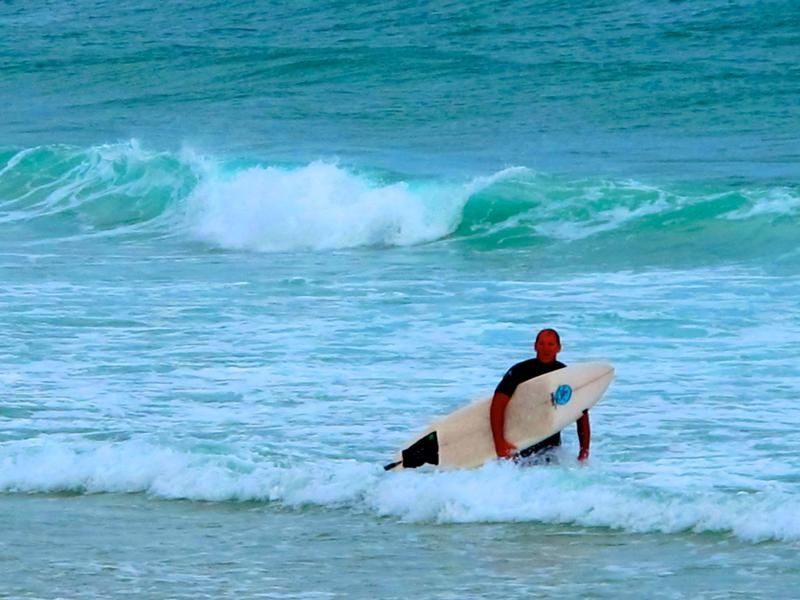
[539, 408]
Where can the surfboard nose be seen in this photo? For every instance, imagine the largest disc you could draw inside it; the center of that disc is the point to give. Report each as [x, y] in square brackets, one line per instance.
[593, 374]
[598, 369]
[597, 376]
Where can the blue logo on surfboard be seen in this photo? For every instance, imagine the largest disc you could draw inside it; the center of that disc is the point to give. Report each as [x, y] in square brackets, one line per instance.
[562, 395]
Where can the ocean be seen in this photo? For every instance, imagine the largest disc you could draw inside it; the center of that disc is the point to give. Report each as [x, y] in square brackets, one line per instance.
[248, 249]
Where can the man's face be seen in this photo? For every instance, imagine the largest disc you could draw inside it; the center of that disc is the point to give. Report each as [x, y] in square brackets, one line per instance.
[547, 347]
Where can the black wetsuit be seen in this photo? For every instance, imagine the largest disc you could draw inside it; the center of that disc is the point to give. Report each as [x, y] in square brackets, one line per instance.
[528, 369]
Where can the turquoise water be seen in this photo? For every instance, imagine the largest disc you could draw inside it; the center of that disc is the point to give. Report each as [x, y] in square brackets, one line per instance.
[246, 251]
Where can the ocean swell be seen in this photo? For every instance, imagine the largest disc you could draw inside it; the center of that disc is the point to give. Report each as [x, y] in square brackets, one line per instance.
[58, 193]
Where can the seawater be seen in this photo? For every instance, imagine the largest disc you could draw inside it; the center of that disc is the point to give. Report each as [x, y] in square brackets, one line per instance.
[246, 251]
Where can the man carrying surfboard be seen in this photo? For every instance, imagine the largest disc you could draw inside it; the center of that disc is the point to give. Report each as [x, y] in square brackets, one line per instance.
[547, 347]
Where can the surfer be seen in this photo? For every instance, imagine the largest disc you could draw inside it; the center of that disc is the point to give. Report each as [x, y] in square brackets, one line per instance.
[547, 346]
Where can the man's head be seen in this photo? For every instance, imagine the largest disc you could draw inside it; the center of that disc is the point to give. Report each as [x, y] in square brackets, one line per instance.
[547, 345]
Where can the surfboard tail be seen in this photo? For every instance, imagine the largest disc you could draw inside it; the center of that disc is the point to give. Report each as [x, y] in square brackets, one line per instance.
[424, 451]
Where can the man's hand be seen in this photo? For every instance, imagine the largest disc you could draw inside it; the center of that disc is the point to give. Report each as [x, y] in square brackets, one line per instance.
[583, 455]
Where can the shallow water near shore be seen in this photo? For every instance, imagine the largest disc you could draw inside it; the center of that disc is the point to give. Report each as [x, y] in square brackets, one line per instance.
[152, 549]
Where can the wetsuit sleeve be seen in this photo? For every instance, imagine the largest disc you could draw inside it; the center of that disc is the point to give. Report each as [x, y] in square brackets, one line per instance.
[507, 384]
[584, 435]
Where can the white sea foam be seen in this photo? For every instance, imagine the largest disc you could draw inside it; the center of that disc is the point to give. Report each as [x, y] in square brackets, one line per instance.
[586, 211]
[567, 494]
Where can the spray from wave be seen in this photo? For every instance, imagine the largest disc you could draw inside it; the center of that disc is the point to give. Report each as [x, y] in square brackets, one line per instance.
[321, 206]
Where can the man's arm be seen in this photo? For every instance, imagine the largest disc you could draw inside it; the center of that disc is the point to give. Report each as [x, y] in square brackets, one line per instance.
[497, 417]
[584, 435]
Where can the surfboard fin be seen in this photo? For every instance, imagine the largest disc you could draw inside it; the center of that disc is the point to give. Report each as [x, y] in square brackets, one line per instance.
[424, 451]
